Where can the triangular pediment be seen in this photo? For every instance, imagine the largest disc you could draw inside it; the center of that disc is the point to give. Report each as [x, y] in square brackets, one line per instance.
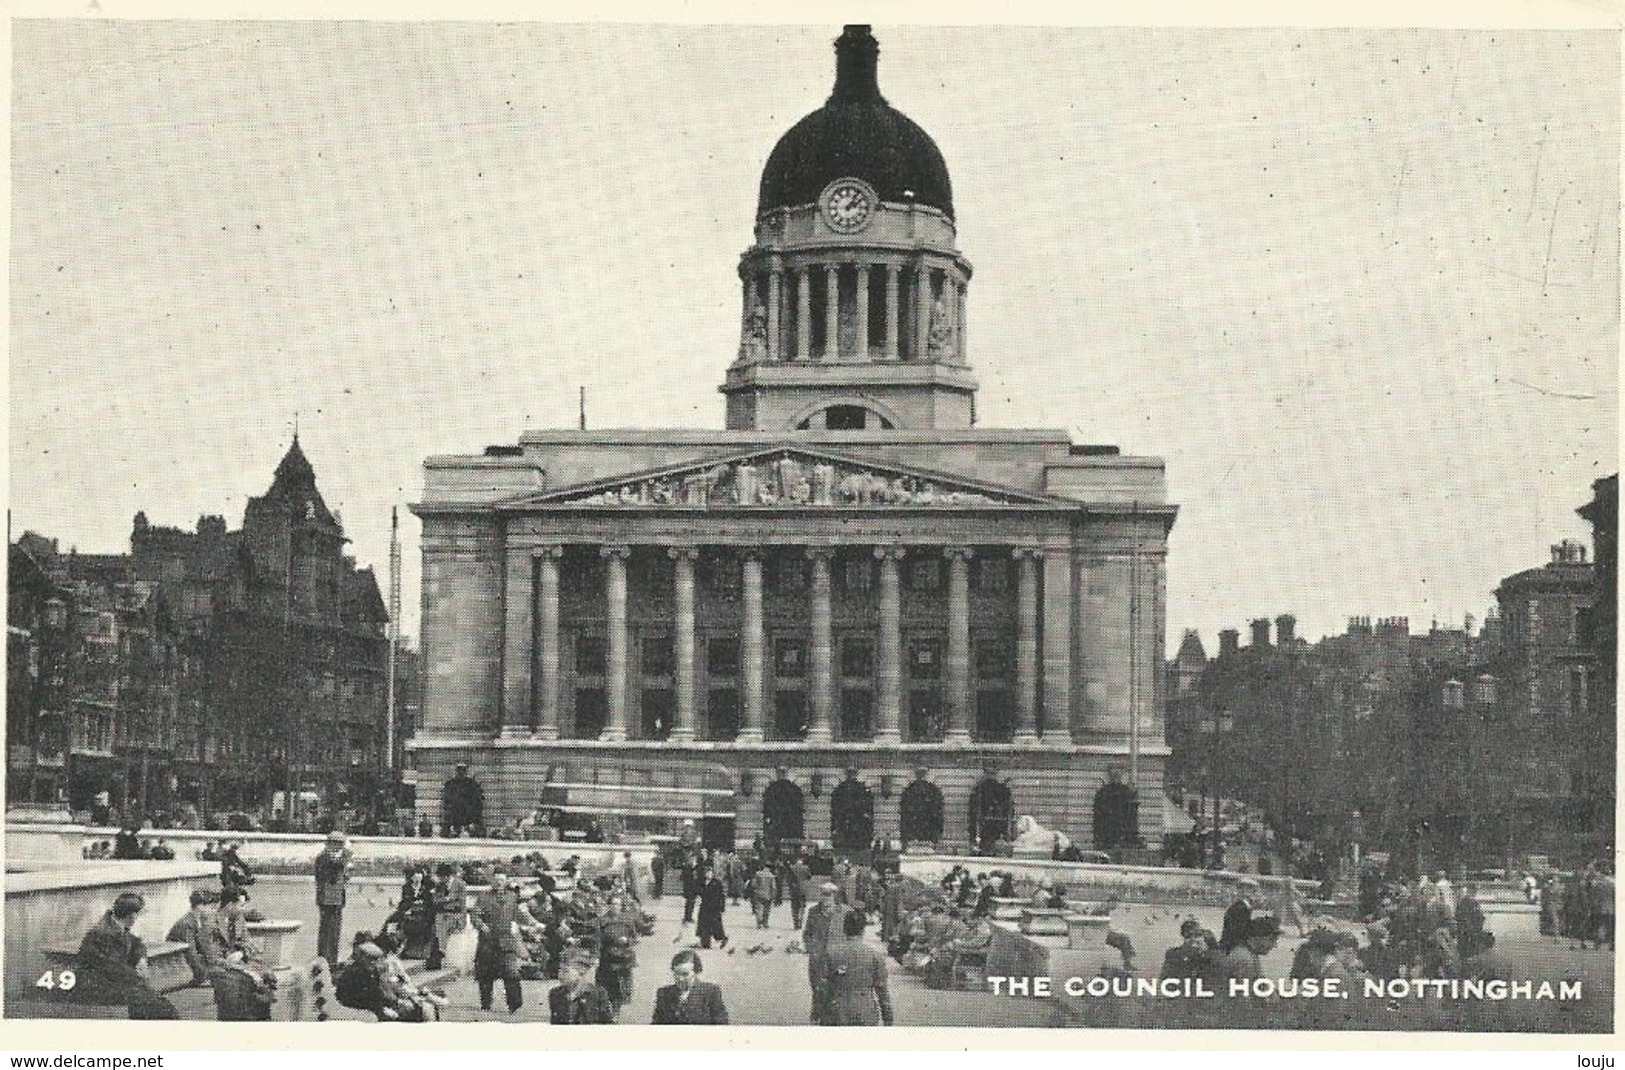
[785, 477]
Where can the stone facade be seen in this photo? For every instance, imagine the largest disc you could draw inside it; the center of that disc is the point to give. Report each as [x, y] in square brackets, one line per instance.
[851, 590]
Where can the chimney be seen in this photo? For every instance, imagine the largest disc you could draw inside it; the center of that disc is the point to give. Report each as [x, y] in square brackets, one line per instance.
[1261, 632]
[1359, 625]
[1284, 629]
[1229, 641]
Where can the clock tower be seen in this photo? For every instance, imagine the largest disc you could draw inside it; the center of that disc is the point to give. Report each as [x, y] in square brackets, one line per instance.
[854, 291]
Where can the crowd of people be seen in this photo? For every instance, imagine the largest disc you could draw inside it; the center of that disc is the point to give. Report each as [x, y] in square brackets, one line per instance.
[1578, 906]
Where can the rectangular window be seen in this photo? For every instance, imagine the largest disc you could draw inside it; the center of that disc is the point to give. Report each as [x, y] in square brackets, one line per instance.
[994, 722]
[790, 715]
[659, 710]
[591, 656]
[924, 715]
[722, 713]
[722, 657]
[857, 575]
[657, 656]
[592, 712]
[925, 658]
[857, 713]
[789, 657]
[857, 657]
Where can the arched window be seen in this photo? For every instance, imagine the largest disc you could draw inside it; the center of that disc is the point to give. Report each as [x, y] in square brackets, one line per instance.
[782, 814]
[920, 815]
[991, 813]
[851, 815]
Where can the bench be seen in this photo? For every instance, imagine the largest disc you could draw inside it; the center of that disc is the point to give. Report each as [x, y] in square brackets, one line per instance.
[168, 969]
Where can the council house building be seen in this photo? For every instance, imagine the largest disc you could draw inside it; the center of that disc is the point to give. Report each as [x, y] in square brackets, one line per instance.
[850, 614]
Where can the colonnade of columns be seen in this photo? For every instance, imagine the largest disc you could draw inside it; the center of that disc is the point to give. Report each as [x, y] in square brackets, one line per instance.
[785, 284]
[533, 631]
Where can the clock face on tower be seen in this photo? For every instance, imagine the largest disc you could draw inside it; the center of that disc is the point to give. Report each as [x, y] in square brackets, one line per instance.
[848, 204]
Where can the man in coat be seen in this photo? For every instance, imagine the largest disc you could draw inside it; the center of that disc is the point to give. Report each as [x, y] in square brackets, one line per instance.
[854, 978]
[657, 871]
[112, 964]
[497, 953]
[713, 901]
[191, 929]
[761, 894]
[1234, 931]
[449, 895]
[629, 876]
[691, 884]
[688, 1000]
[332, 868]
[824, 922]
[462, 803]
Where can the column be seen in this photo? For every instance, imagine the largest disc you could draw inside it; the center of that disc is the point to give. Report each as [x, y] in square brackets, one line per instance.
[1026, 561]
[832, 312]
[750, 649]
[950, 299]
[683, 601]
[750, 299]
[547, 641]
[889, 678]
[922, 311]
[863, 312]
[803, 314]
[775, 295]
[518, 639]
[1057, 647]
[963, 290]
[957, 661]
[823, 652]
[615, 596]
[892, 273]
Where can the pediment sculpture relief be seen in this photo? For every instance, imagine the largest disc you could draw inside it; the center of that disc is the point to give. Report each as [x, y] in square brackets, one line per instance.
[785, 480]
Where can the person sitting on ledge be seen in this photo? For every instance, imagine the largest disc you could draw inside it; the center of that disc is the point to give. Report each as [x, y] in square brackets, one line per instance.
[112, 964]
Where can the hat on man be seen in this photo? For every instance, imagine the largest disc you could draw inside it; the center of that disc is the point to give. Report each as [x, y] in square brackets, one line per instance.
[335, 837]
[1189, 928]
[828, 886]
[370, 950]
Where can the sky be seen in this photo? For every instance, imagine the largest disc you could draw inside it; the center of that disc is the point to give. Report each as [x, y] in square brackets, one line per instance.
[1358, 288]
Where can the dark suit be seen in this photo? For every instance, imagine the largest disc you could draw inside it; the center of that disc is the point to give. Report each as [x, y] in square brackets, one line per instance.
[702, 1007]
[588, 1006]
[855, 983]
[1236, 919]
[713, 900]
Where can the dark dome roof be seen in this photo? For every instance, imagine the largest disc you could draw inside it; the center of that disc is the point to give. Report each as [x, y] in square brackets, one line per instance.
[857, 135]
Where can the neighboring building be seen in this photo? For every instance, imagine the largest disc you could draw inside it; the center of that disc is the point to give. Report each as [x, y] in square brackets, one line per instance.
[852, 613]
[38, 641]
[208, 670]
[287, 637]
[1599, 636]
[1449, 746]
[101, 652]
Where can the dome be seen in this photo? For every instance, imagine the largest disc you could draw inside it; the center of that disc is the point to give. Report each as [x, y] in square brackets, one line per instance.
[856, 134]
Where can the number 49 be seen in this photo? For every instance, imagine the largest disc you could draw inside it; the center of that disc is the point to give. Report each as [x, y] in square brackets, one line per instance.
[61, 980]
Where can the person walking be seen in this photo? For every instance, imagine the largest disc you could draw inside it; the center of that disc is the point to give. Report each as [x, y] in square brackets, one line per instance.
[449, 895]
[691, 884]
[713, 901]
[629, 876]
[824, 922]
[797, 876]
[854, 976]
[332, 868]
[761, 894]
[689, 1000]
[497, 953]
[657, 872]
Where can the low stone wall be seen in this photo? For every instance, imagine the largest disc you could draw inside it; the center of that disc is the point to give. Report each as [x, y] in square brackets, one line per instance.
[1083, 880]
[29, 846]
[56, 906]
